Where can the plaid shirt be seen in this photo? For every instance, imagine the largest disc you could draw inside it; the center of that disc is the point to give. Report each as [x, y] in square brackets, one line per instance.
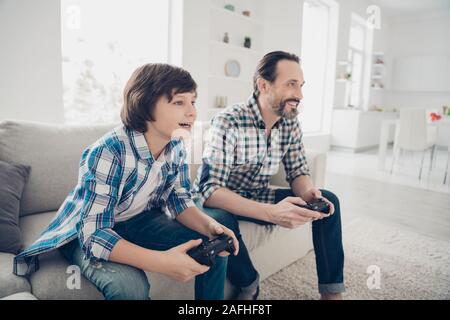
[239, 156]
[112, 171]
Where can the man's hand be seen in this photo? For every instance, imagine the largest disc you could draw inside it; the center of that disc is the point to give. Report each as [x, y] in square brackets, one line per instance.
[287, 214]
[216, 229]
[313, 194]
[179, 265]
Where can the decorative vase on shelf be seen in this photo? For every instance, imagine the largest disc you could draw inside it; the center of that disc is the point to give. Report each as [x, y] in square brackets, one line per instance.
[226, 38]
[248, 42]
[221, 101]
[246, 13]
[229, 7]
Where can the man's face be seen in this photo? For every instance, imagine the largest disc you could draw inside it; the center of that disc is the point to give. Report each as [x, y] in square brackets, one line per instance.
[175, 118]
[285, 93]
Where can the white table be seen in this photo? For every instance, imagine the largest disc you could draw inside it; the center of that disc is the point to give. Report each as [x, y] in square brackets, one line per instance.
[384, 138]
[443, 128]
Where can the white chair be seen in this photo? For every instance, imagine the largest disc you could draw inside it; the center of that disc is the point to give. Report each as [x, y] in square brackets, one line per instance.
[415, 134]
[446, 167]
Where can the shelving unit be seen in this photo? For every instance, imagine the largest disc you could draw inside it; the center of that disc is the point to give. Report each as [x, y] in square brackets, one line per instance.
[343, 71]
[238, 26]
[378, 71]
[235, 15]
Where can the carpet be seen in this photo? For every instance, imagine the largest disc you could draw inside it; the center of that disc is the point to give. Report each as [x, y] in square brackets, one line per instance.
[409, 265]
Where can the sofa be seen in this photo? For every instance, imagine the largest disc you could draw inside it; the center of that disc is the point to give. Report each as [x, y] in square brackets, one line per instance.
[53, 153]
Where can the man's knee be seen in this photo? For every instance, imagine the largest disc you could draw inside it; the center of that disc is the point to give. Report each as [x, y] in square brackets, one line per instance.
[331, 197]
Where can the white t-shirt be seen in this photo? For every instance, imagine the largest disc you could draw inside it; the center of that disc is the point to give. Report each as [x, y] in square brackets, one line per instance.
[141, 199]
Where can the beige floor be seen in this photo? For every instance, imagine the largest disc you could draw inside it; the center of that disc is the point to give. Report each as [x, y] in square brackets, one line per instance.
[394, 221]
[400, 199]
[406, 170]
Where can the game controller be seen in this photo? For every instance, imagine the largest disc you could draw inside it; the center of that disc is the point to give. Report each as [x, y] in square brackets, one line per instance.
[206, 252]
[318, 205]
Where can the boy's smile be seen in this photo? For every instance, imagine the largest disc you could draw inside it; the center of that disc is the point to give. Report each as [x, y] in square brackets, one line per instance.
[186, 125]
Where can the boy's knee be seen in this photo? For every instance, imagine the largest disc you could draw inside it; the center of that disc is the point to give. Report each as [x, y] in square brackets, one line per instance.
[133, 286]
[229, 220]
[220, 265]
[223, 217]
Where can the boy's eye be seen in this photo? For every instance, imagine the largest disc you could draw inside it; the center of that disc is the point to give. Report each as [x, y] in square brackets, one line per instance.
[179, 103]
[193, 103]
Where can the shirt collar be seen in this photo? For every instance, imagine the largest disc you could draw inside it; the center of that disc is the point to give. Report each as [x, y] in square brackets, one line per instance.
[255, 110]
[140, 145]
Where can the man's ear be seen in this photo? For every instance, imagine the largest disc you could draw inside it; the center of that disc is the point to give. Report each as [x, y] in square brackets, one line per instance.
[262, 85]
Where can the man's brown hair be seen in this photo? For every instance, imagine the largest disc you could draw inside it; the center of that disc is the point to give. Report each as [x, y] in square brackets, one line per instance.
[144, 88]
[267, 67]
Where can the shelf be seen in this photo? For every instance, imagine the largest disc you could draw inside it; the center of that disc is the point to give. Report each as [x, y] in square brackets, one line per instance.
[236, 15]
[234, 47]
[379, 65]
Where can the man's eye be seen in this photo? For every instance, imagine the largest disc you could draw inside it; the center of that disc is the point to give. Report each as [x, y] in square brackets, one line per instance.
[179, 103]
[193, 103]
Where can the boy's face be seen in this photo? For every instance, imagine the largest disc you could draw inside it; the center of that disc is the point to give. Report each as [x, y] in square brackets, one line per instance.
[173, 117]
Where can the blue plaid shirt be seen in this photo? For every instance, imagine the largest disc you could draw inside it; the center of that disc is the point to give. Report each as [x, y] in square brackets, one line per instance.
[112, 171]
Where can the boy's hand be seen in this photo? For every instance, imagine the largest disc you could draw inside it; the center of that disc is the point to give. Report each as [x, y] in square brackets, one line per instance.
[216, 229]
[179, 265]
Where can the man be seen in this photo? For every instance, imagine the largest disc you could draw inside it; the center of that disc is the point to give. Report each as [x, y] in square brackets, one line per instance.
[247, 143]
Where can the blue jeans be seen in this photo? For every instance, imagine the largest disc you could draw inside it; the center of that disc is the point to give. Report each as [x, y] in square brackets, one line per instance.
[240, 271]
[327, 241]
[151, 230]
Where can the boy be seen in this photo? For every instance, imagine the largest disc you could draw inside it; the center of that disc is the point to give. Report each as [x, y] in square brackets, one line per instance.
[131, 209]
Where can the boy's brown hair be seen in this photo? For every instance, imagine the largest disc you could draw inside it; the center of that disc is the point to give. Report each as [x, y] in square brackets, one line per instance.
[144, 88]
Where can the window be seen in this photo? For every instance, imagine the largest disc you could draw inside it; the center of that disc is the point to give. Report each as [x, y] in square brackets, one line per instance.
[103, 41]
[360, 42]
[319, 43]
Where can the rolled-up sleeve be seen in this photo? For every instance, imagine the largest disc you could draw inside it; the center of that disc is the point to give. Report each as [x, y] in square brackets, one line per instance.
[218, 157]
[100, 181]
[295, 159]
[180, 198]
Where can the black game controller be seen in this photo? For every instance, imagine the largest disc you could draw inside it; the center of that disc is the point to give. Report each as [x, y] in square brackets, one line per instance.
[206, 252]
[318, 205]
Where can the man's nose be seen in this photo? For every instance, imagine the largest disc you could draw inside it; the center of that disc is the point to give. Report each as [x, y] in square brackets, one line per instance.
[299, 94]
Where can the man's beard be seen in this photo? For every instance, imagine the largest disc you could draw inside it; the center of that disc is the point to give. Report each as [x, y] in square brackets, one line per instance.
[281, 109]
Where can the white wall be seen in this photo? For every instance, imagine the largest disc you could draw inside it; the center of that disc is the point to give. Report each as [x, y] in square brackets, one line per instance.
[30, 60]
[426, 35]
[283, 25]
[196, 48]
[283, 31]
[380, 44]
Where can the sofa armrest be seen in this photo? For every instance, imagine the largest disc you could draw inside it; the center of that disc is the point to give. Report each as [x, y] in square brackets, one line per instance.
[317, 164]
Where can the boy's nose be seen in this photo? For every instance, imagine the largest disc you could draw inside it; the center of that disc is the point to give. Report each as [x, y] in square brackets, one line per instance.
[191, 111]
